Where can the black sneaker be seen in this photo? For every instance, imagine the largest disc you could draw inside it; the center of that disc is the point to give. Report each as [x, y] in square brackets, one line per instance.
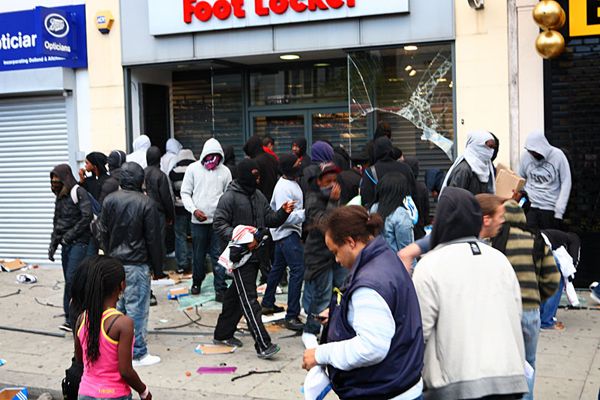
[195, 290]
[153, 301]
[219, 296]
[269, 352]
[272, 310]
[66, 327]
[233, 342]
[294, 324]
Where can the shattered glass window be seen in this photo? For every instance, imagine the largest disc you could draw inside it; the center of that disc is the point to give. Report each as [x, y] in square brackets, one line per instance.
[409, 88]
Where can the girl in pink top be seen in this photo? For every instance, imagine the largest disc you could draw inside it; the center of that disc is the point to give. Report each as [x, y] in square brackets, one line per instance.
[104, 340]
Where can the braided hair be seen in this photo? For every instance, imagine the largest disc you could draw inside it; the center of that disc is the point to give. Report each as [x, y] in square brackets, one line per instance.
[104, 278]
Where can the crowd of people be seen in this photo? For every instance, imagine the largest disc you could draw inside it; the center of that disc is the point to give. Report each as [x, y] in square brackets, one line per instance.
[389, 311]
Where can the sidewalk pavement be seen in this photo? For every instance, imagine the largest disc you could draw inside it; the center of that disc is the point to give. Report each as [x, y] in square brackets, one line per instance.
[568, 362]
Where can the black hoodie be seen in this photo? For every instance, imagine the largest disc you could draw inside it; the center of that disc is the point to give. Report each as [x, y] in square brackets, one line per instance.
[129, 226]
[93, 184]
[422, 196]
[268, 167]
[229, 159]
[458, 216]
[111, 184]
[306, 161]
[383, 150]
[157, 184]
[71, 221]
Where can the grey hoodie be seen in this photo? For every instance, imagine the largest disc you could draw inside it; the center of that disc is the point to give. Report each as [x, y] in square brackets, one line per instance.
[548, 180]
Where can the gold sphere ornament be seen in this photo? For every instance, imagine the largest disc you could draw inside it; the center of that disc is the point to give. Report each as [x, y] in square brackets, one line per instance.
[550, 44]
[548, 14]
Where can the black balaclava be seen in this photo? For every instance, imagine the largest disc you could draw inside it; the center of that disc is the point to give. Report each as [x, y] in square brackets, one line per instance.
[98, 160]
[64, 173]
[115, 159]
[229, 155]
[300, 141]
[383, 149]
[287, 165]
[153, 156]
[458, 216]
[132, 176]
[245, 177]
[253, 147]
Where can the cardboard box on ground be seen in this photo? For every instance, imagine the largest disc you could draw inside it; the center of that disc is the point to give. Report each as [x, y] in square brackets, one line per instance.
[507, 182]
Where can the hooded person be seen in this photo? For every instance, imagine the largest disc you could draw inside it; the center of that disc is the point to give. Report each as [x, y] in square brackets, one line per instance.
[168, 161]
[460, 320]
[422, 196]
[95, 162]
[71, 229]
[548, 175]
[299, 149]
[434, 179]
[242, 204]
[385, 163]
[229, 162]
[157, 184]
[182, 224]
[204, 182]
[115, 159]
[140, 147]
[321, 153]
[129, 230]
[267, 165]
[474, 170]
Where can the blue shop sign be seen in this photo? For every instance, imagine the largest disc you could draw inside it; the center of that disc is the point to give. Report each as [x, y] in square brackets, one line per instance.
[43, 38]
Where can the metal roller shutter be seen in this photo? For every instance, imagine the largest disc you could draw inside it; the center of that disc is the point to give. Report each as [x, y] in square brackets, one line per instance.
[33, 139]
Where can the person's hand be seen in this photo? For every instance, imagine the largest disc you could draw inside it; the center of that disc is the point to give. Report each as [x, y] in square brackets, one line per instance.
[51, 251]
[309, 361]
[288, 206]
[517, 196]
[324, 317]
[336, 192]
[81, 174]
[200, 216]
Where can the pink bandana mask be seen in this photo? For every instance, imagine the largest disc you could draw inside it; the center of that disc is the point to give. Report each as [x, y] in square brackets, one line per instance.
[211, 161]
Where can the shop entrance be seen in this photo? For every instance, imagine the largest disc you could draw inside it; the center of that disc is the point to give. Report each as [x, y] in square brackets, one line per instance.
[330, 124]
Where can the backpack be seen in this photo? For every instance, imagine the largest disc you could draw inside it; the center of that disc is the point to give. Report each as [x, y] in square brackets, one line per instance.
[96, 207]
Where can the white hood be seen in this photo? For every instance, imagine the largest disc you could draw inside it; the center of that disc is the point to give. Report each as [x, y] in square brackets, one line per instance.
[185, 154]
[536, 141]
[141, 143]
[140, 147]
[212, 146]
[173, 146]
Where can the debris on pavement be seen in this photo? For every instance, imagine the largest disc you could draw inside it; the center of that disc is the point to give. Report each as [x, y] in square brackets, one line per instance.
[221, 369]
[12, 266]
[254, 372]
[210, 349]
[26, 278]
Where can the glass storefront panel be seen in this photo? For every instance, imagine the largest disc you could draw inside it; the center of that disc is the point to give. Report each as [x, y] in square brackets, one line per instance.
[333, 127]
[283, 129]
[314, 83]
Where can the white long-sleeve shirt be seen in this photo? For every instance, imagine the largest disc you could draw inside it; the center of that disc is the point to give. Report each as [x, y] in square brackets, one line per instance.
[288, 190]
[372, 320]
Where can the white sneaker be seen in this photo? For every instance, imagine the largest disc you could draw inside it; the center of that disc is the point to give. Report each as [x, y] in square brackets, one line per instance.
[310, 340]
[146, 361]
[594, 297]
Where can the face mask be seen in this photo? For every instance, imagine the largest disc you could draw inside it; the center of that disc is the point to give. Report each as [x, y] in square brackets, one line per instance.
[327, 191]
[211, 161]
[488, 152]
[537, 156]
[56, 187]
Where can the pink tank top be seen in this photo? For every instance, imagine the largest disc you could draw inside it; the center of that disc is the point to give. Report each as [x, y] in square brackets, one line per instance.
[102, 379]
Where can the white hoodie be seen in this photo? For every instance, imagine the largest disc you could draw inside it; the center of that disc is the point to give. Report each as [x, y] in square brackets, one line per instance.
[201, 189]
[140, 147]
[548, 180]
[168, 161]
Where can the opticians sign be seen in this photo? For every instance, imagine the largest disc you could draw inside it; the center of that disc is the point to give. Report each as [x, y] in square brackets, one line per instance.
[42, 38]
[168, 17]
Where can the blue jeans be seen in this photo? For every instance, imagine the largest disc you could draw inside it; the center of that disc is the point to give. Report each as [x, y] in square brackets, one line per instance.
[288, 252]
[71, 255]
[183, 252]
[530, 324]
[550, 306]
[317, 295]
[135, 303]
[205, 239]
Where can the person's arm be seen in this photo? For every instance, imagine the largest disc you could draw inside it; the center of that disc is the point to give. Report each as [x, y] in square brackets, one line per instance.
[153, 238]
[83, 224]
[223, 217]
[565, 187]
[374, 326]
[273, 219]
[409, 254]
[123, 329]
[55, 236]
[164, 192]
[102, 234]
[187, 189]
[549, 276]
[428, 299]
[461, 177]
[282, 194]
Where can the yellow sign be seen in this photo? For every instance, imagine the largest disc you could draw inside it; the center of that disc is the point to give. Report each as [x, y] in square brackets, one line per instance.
[104, 21]
[584, 17]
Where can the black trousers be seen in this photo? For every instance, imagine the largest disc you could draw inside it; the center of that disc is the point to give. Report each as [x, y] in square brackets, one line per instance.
[241, 300]
[541, 219]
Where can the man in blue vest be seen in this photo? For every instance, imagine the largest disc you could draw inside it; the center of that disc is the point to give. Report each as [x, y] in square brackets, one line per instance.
[373, 344]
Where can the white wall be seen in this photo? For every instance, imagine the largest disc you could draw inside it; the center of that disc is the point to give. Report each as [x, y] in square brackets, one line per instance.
[82, 101]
